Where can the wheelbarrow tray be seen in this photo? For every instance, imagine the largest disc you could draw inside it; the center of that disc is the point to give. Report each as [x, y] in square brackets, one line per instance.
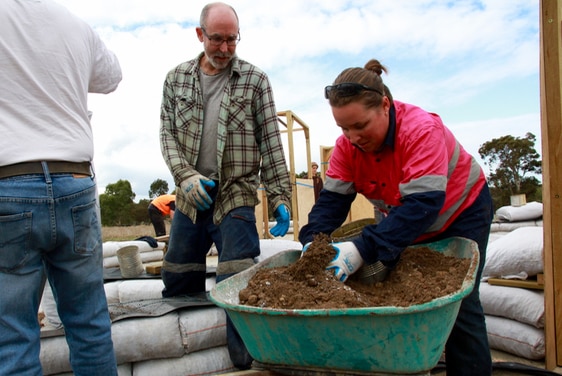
[395, 340]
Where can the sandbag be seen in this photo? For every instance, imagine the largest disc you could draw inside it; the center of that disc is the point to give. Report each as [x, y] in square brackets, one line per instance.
[48, 304]
[54, 355]
[210, 282]
[125, 369]
[202, 328]
[510, 226]
[112, 291]
[496, 235]
[523, 305]
[519, 251]
[529, 211]
[122, 291]
[270, 247]
[140, 289]
[149, 256]
[122, 370]
[147, 338]
[212, 361]
[515, 337]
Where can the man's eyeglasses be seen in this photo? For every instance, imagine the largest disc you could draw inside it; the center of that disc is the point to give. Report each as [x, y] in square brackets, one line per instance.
[218, 40]
[348, 89]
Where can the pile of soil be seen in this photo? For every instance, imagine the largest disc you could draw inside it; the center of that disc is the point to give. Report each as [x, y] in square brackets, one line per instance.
[420, 276]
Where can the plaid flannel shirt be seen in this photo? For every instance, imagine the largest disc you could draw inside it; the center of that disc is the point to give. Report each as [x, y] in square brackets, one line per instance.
[248, 140]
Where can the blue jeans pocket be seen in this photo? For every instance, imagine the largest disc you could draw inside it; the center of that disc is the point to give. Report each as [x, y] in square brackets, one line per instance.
[87, 230]
[15, 239]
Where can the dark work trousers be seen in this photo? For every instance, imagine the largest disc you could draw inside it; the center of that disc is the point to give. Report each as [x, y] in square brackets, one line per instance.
[184, 268]
[467, 351]
[157, 219]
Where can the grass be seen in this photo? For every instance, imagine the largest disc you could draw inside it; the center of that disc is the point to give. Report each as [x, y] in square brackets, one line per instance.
[122, 233]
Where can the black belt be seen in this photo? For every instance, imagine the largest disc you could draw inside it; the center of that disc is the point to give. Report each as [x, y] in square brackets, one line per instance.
[54, 167]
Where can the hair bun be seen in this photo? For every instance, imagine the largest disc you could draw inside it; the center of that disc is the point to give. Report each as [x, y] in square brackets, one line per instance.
[374, 65]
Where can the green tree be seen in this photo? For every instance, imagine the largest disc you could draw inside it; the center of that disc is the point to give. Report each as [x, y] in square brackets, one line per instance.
[302, 175]
[139, 212]
[157, 188]
[116, 204]
[514, 164]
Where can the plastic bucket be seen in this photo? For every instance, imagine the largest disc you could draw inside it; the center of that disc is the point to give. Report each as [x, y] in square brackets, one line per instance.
[130, 261]
[350, 230]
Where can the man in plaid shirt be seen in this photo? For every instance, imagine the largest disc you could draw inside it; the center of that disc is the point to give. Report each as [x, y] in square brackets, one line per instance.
[219, 135]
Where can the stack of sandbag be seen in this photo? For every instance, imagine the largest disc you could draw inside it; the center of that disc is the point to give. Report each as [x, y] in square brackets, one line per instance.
[509, 218]
[185, 341]
[514, 315]
[149, 250]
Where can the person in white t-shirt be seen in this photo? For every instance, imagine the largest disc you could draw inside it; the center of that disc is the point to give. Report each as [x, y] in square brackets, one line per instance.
[49, 216]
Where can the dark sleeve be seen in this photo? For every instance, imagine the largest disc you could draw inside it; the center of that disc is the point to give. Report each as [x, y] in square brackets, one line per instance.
[400, 228]
[327, 214]
[172, 205]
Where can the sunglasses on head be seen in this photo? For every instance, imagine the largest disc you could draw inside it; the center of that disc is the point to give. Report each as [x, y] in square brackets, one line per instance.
[348, 89]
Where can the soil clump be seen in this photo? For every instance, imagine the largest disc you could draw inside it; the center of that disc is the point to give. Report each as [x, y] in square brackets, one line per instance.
[420, 276]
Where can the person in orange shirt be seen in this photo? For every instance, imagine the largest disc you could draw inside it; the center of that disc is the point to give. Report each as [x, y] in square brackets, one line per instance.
[161, 207]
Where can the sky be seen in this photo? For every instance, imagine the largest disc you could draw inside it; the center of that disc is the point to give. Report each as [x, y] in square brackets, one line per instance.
[475, 63]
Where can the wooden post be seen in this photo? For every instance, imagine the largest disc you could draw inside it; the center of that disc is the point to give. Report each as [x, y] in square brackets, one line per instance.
[291, 118]
[551, 131]
[293, 175]
[325, 154]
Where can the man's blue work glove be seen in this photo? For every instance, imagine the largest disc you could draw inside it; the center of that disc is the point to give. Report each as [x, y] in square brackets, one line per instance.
[196, 187]
[283, 219]
[347, 260]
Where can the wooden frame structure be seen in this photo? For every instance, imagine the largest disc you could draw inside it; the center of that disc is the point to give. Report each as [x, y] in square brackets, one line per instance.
[551, 131]
[288, 119]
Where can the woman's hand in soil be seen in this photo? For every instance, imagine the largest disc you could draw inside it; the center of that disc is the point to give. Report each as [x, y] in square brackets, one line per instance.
[347, 260]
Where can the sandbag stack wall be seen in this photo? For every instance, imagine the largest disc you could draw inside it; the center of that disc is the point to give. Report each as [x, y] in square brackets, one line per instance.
[186, 341]
[515, 315]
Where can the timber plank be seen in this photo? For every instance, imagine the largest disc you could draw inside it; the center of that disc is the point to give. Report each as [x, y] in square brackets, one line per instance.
[537, 284]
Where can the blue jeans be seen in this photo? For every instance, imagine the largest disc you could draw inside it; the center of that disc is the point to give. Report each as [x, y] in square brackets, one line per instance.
[49, 226]
[236, 238]
[467, 351]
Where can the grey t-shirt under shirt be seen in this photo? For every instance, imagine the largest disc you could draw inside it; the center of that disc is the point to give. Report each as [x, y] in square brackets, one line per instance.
[213, 90]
